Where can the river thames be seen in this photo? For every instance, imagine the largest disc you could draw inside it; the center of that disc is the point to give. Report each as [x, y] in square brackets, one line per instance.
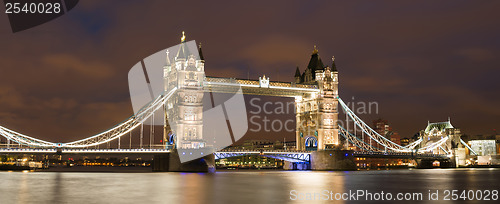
[250, 186]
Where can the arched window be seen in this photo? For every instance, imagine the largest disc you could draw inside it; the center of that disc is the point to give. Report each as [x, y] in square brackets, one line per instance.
[189, 115]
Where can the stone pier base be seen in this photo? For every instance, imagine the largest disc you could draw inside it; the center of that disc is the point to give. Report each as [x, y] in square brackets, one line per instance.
[171, 162]
[296, 165]
[429, 163]
[333, 160]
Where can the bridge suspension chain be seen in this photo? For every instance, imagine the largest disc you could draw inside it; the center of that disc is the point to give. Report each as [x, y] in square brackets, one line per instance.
[372, 133]
[386, 143]
[132, 123]
[468, 147]
[432, 146]
[23, 139]
[356, 141]
[109, 135]
[414, 144]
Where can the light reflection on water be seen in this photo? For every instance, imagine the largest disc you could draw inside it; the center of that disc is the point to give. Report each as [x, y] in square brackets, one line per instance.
[228, 186]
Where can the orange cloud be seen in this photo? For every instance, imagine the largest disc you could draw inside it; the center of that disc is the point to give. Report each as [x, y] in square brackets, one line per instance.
[69, 63]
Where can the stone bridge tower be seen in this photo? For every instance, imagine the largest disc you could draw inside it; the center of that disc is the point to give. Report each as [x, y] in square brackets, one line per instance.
[317, 114]
[434, 132]
[185, 109]
[328, 132]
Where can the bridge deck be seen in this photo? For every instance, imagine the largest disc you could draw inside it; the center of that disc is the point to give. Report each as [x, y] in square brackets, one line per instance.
[303, 155]
[294, 156]
[398, 155]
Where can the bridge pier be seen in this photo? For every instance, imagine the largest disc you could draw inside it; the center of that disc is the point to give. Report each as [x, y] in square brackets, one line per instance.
[333, 160]
[296, 165]
[429, 163]
[171, 162]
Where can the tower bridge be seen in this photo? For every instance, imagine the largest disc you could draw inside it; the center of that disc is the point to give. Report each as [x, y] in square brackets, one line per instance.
[317, 103]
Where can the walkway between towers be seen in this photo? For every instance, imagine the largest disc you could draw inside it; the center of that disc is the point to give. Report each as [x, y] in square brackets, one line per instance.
[258, 87]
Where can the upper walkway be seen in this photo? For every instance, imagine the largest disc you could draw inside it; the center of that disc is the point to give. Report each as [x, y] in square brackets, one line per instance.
[254, 87]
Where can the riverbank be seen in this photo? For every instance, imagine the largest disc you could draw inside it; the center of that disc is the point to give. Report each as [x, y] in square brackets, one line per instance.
[111, 169]
[140, 169]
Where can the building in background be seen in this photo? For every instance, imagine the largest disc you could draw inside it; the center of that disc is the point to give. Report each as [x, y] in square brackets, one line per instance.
[477, 140]
[405, 141]
[249, 162]
[263, 145]
[256, 161]
[484, 147]
[383, 128]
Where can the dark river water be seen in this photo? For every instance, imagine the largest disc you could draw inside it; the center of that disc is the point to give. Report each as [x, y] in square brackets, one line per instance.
[253, 186]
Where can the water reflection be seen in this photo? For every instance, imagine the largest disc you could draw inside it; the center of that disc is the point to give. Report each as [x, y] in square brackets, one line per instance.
[229, 186]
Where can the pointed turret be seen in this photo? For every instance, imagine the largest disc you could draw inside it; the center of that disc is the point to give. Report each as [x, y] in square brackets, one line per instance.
[167, 61]
[297, 72]
[334, 67]
[320, 65]
[200, 53]
[315, 63]
[298, 76]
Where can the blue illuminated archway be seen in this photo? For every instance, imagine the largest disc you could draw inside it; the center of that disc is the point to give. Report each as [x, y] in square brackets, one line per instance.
[311, 143]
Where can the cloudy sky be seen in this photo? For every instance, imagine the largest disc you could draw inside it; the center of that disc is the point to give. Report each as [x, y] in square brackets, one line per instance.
[420, 60]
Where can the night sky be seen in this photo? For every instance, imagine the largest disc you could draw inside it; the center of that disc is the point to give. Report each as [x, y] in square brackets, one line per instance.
[420, 60]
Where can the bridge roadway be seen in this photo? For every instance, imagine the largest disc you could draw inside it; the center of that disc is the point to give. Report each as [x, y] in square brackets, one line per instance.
[399, 155]
[304, 156]
[292, 156]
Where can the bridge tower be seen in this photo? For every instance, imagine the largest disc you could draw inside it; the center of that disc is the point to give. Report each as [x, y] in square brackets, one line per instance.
[328, 131]
[185, 110]
[317, 114]
[436, 132]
